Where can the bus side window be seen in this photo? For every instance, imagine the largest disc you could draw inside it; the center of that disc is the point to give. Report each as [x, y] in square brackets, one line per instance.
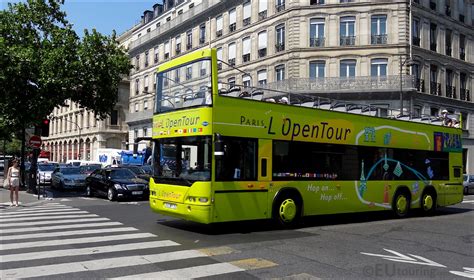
[239, 162]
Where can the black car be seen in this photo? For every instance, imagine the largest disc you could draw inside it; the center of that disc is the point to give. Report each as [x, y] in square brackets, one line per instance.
[116, 183]
[138, 171]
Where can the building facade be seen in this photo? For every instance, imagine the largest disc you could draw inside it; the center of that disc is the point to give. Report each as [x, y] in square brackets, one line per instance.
[414, 56]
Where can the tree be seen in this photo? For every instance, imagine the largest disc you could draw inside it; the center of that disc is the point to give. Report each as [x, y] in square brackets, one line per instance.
[44, 63]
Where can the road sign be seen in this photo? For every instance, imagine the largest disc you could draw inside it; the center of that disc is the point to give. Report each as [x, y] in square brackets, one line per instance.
[35, 141]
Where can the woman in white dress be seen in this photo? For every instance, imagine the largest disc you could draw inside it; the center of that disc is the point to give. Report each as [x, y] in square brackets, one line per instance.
[13, 176]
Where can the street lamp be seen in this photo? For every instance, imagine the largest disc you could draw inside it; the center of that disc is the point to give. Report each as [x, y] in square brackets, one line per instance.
[408, 62]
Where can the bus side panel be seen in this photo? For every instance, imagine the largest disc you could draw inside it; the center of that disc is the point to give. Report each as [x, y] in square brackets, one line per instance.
[453, 190]
[243, 202]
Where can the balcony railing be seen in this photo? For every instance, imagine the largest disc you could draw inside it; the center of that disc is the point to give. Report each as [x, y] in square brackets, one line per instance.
[317, 2]
[262, 15]
[280, 7]
[219, 33]
[155, 60]
[465, 95]
[416, 41]
[189, 46]
[246, 21]
[178, 50]
[246, 57]
[232, 61]
[316, 42]
[450, 91]
[347, 40]
[232, 27]
[279, 47]
[420, 85]
[202, 40]
[262, 52]
[219, 66]
[435, 88]
[380, 39]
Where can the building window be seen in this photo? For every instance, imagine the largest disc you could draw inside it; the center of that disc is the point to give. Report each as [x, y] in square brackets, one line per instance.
[317, 69]
[433, 37]
[178, 45]
[231, 82]
[202, 33]
[317, 2]
[378, 67]
[416, 72]
[146, 59]
[280, 72]
[347, 31]
[232, 54]
[180, 12]
[262, 9]
[177, 75]
[280, 5]
[137, 62]
[247, 13]
[262, 77]
[114, 117]
[447, 42]
[144, 131]
[262, 44]
[219, 58]
[280, 38]
[135, 133]
[189, 39]
[189, 72]
[155, 55]
[450, 90]
[316, 32]
[347, 68]
[461, 8]
[415, 32]
[203, 70]
[167, 50]
[379, 30]
[145, 104]
[246, 49]
[232, 20]
[137, 86]
[435, 88]
[462, 47]
[246, 80]
[145, 84]
[219, 26]
[464, 92]
[136, 107]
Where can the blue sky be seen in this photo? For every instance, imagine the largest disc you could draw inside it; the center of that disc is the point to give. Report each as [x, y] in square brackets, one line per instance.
[103, 15]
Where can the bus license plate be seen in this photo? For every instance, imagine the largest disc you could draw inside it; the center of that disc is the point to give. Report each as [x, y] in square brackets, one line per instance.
[171, 206]
[137, 192]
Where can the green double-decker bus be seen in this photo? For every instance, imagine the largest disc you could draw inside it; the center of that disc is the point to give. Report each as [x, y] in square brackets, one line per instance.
[228, 154]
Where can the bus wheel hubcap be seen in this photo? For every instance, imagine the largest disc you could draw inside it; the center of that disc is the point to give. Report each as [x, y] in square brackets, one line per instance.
[288, 210]
[428, 202]
[401, 204]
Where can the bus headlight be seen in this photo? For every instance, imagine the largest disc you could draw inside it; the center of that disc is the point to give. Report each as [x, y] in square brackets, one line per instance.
[203, 199]
[191, 199]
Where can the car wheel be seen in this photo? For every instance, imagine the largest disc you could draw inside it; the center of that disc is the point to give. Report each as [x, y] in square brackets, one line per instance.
[89, 191]
[111, 194]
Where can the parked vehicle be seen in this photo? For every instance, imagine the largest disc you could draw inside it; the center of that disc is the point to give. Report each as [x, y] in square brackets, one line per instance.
[68, 178]
[43, 175]
[468, 184]
[138, 171]
[88, 169]
[116, 183]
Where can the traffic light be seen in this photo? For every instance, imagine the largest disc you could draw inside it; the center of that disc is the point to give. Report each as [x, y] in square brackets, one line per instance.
[44, 128]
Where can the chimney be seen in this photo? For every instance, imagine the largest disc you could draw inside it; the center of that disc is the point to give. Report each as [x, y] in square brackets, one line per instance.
[148, 16]
[157, 10]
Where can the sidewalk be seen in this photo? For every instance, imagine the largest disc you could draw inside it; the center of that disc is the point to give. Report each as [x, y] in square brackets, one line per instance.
[25, 199]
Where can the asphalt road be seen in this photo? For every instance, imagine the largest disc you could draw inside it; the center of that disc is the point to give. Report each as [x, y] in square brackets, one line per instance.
[75, 237]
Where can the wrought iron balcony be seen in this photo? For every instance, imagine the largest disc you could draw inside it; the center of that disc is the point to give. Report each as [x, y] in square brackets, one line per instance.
[202, 40]
[262, 15]
[178, 50]
[246, 21]
[450, 91]
[246, 57]
[279, 47]
[316, 42]
[347, 40]
[280, 7]
[435, 88]
[219, 33]
[262, 52]
[167, 55]
[231, 61]
[317, 2]
[420, 85]
[155, 60]
[465, 95]
[380, 39]
[232, 27]
[189, 46]
[416, 41]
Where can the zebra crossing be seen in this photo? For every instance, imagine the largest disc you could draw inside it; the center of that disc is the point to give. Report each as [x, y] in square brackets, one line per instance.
[54, 240]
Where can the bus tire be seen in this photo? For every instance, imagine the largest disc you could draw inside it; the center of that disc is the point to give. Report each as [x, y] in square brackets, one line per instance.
[401, 202]
[428, 201]
[287, 209]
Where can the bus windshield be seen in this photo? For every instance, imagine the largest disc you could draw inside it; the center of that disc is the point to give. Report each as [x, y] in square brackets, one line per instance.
[185, 159]
[185, 86]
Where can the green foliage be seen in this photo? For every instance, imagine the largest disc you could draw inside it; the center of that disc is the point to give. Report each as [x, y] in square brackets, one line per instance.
[44, 63]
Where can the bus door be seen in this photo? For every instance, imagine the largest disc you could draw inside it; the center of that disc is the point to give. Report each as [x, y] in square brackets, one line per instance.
[265, 169]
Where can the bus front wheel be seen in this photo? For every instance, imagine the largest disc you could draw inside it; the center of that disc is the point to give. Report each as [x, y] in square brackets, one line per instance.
[401, 203]
[287, 210]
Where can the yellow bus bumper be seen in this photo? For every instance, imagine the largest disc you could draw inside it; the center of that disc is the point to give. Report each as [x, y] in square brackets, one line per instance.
[190, 212]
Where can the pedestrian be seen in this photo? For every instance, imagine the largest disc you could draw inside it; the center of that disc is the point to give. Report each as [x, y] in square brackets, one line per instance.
[13, 177]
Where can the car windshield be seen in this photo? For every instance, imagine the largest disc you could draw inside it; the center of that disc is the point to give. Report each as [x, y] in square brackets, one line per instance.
[135, 169]
[46, 167]
[89, 168]
[185, 86]
[71, 170]
[190, 162]
[121, 174]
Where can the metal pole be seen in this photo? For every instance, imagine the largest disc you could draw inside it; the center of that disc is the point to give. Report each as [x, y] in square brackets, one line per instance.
[401, 87]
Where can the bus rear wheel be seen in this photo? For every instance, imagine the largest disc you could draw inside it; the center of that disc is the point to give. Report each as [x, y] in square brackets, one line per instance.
[287, 210]
[401, 204]
[428, 202]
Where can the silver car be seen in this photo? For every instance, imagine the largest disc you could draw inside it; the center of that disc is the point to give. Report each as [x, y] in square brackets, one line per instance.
[68, 178]
[468, 184]
[43, 175]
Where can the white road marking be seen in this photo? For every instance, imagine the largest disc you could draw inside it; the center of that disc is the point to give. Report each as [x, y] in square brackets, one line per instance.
[46, 218]
[70, 221]
[83, 240]
[406, 259]
[85, 266]
[188, 272]
[67, 233]
[86, 251]
[468, 201]
[78, 211]
[39, 210]
[43, 228]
